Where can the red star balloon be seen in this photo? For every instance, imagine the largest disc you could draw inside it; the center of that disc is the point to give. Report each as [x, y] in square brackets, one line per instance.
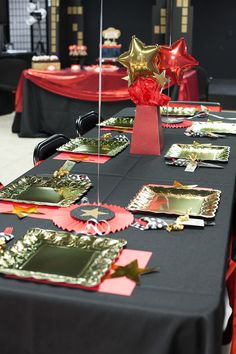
[175, 59]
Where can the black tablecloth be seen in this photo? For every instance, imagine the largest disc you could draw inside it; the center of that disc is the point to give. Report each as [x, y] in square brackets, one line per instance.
[45, 113]
[177, 311]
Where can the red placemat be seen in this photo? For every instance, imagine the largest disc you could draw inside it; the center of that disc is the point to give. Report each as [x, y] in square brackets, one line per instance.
[82, 157]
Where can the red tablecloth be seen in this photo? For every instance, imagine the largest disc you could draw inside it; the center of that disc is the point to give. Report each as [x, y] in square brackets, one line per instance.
[84, 85]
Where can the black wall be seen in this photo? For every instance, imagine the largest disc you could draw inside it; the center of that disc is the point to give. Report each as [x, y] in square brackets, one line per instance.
[3, 12]
[214, 36]
[129, 16]
[214, 30]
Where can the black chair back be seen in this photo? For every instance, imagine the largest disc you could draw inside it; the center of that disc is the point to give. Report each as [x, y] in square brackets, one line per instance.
[203, 83]
[48, 147]
[86, 122]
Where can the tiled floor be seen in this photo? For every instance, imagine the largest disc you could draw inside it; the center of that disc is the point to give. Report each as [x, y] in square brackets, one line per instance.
[16, 153]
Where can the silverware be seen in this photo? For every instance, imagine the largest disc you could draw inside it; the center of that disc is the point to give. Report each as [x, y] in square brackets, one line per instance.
[201, 134]
[184, 163]
[151, 223]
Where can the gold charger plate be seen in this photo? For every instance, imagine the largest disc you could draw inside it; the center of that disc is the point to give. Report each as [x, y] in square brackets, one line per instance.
[213, 127]
[42, 190]
[61, 257]
[108, 147]
[178, 201]
[202, 152]
[118, 122]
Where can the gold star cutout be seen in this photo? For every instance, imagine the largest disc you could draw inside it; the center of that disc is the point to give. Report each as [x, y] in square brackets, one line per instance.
[139, 59]
[161, 78]
[126, 78]
[79, 159]
[177, 184]
[92, 212]
[22, 212]
[131, 271]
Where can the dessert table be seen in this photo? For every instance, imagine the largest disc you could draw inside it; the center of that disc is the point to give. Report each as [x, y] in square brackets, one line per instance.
[178, 310]
[49, 102]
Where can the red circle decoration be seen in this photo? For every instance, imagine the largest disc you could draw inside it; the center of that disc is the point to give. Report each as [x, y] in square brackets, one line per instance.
[184, 124]
[122, 219]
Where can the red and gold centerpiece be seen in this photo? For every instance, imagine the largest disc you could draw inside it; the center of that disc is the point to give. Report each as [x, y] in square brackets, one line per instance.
[151, 68]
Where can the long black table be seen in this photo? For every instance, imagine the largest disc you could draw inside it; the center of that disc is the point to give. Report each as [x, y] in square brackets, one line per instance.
[177, 311]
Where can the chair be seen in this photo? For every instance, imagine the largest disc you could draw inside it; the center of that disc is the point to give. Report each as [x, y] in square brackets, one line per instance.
[86, 122]
[203, 83]
[10, 71]
[48, 147]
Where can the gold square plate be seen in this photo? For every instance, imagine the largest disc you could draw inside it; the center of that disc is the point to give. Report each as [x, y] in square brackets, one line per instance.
[61, 257]
[42, 190]
[108, 147]
[202, 152]
[118, 122]
[178, 201]
[213, 127]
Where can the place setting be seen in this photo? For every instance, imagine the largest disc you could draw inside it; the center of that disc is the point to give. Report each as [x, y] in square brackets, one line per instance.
[196, 155]
[179, 206]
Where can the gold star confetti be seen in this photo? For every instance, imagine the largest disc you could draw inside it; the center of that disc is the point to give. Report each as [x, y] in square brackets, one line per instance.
[60, 173]
[22, 212]
[161, 78]
[177, 184]
[79, 159]
[131, 271]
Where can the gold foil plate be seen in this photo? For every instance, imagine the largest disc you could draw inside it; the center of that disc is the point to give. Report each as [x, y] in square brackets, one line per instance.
[178, 201]
[43, 190]
[213, 127]
[202, 152]
[61, 257]
[108, 147]
[118, 122]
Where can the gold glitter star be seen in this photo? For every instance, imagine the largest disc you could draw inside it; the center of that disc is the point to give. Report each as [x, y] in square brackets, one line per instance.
[131, 271]
[161, 78]
[139, 59]
[92, 212]
[22, 212]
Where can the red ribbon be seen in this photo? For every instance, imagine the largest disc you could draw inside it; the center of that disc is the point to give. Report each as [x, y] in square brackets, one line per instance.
[146, 91]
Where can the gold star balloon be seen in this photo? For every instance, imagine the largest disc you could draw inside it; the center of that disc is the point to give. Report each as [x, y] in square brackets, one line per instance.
[139, 59]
